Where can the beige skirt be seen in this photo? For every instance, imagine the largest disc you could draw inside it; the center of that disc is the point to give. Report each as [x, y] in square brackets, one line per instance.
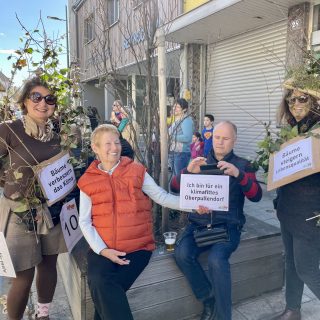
[27, 248]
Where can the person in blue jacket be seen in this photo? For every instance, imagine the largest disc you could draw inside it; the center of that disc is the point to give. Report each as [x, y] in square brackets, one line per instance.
[180, 134]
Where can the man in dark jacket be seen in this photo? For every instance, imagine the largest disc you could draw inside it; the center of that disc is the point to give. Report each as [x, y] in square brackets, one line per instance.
[214, 290]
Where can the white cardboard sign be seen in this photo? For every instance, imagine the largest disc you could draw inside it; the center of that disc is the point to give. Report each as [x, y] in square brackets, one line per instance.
[6, 266]
[293, 158]
[56, 177]
[297, 158]
[211, 191]
[69, 218]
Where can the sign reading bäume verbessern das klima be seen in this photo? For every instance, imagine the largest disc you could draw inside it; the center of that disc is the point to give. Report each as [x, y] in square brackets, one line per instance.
[56, 177]
[211, 191]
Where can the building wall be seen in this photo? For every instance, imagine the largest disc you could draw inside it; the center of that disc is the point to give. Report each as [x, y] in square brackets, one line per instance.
[297, 40]
[121, 44]
[94, 97]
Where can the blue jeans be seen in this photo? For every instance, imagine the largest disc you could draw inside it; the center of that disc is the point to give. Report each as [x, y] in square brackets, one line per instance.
[301, 267]
[217, 284]
[179, 161]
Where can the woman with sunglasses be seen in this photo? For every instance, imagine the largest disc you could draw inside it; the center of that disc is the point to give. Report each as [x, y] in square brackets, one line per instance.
[298, 201]
[26, 143]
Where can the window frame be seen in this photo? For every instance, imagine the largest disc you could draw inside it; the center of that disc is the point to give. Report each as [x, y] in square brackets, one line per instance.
[89, 22]
[115, 6]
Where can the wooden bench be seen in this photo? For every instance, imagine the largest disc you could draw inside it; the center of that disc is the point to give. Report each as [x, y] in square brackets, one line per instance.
[161, 291]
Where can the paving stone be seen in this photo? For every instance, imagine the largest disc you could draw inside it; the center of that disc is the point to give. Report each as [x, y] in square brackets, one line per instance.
[273, 221]
[254, 309]
[236, 315]
[309, 293]
[276, 301]
[311, 310]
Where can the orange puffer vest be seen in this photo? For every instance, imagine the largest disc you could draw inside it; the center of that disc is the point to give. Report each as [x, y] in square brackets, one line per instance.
[121, 212]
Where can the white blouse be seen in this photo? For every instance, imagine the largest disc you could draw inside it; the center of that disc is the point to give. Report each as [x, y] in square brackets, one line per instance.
[149, 187]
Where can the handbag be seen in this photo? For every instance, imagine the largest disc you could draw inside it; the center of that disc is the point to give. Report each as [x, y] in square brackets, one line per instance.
[210, 234]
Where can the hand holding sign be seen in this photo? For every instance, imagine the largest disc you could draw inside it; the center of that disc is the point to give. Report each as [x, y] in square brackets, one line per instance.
[203, 210]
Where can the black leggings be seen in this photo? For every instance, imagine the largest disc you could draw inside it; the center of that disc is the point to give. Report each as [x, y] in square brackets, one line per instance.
[302, 267]
[108, 283]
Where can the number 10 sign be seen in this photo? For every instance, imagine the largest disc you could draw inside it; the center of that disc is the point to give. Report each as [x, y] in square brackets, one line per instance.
[69, 223]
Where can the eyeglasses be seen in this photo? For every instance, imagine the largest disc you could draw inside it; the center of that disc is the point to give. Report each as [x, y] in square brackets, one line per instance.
[301, 99]
[37, 97]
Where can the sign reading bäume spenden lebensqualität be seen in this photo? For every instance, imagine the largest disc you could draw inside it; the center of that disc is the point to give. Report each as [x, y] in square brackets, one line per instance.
[293, 158]
[297, 158]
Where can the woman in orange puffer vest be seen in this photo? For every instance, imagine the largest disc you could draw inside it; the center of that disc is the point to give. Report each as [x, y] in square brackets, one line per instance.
[115, 218]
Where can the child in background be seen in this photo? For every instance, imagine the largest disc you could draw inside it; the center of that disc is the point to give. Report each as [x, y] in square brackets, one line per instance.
[207, 133]
[196, 146]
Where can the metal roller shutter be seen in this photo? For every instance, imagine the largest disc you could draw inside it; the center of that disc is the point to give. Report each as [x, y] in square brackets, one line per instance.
[245, 74]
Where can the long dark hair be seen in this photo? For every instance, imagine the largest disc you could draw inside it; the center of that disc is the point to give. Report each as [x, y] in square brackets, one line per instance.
[284, 115]
[27, 87]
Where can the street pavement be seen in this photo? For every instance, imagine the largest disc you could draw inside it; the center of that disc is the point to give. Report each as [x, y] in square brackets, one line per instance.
[263, 307]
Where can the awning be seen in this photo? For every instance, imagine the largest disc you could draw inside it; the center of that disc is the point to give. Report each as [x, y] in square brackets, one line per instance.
[220, 19]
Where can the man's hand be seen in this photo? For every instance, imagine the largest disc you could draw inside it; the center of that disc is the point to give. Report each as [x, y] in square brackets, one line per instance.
[228, 168]
[115, 256]
[203, 210]
[194, 165]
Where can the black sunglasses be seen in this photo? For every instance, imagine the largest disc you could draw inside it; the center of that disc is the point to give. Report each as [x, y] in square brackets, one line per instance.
[301, 99]
[36, 97]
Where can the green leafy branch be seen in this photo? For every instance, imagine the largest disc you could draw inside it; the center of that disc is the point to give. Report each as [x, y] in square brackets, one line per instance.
[272, 143]
[40, 55]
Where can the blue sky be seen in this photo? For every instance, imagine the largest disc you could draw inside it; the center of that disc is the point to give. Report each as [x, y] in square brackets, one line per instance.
[28, 13]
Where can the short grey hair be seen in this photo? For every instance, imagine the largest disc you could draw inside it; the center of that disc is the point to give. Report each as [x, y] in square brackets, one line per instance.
[231, 124]
[102, 128]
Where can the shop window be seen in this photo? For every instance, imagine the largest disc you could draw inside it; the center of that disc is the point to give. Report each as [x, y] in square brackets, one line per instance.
[89, 29]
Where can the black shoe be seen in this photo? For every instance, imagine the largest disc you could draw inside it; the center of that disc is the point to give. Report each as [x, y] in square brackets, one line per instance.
[208, 310]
